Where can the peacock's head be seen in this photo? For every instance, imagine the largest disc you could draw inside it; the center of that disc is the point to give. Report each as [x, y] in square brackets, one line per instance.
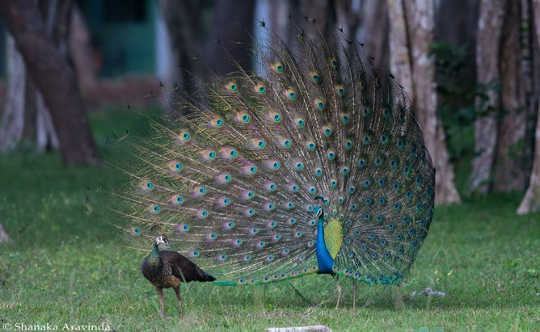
[162, 239]
[318, 210]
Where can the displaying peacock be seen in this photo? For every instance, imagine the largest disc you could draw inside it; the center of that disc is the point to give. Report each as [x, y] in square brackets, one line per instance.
[315, 166]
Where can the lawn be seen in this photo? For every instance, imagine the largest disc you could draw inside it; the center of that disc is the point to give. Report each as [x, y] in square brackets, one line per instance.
[69, 265]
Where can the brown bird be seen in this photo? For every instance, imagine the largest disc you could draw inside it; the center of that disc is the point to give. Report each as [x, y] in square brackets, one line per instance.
[166, 269]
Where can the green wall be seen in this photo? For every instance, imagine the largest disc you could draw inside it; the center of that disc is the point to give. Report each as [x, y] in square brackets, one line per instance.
[124, 33]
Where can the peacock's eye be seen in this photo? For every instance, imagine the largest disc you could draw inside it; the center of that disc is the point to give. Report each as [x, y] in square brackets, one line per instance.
[315, 77]
[260, 88]
[319, 104]
[291, 94]
[340, 90]
[278, 67]
[184, 136]
[327, 131]
[231, 86]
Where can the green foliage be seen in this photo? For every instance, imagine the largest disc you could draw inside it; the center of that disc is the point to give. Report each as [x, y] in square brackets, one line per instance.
[461, 101]
[68, 264]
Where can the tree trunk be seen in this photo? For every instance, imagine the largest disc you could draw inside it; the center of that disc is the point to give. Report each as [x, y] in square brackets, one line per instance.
[184, 27]
[511, 161]
[81, 51]
[374, 30]
[12, 125]
[279, 12]
[53, 76]
[317, 16]
[487, 62]
[231, 36]
[531, 201]
[400, 58]
[412, 30]
[3, 235]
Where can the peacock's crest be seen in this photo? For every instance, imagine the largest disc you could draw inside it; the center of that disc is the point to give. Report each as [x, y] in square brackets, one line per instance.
[234, 184]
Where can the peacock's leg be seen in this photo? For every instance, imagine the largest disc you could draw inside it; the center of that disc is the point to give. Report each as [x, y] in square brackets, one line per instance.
[340, 291]
[179, 298]
[162, 301]
[354, 294]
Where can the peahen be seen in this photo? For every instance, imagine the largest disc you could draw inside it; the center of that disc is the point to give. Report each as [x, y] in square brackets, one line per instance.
[166, 269]
[315, 166]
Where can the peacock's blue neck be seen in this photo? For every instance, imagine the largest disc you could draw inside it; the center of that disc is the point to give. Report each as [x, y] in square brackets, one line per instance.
[324, 259]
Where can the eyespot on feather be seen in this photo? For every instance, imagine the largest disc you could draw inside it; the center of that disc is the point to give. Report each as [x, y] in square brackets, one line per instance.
[278, 67]
[231, 86]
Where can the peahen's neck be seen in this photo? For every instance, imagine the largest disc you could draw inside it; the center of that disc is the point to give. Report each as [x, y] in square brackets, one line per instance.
[154, 255]
[324, 259]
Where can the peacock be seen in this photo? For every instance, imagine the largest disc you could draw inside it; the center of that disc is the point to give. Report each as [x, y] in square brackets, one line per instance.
[166, 269]
[315, 165]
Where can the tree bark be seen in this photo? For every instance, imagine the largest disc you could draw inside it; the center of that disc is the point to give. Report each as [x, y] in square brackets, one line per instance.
[3, 235]
[184, 27]
[400, 58]
[412, 30]
[231, 36]
[512, 166]
[53, 76]
[374, 31]
[317, 17]
[81, 51]
[531, 201]
[12, 125]
[487, 62]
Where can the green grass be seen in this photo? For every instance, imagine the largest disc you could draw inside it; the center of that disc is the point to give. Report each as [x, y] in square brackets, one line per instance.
[69, 265]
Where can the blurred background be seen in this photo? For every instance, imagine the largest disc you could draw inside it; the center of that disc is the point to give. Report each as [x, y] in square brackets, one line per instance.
[471, 69]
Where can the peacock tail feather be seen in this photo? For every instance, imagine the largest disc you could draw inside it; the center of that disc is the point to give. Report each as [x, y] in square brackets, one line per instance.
[237, 182]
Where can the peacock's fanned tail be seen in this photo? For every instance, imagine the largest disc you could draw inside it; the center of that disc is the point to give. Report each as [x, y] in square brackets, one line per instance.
[233, 184]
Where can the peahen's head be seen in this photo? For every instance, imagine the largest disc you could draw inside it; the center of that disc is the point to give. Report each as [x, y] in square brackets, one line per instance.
[162, 239]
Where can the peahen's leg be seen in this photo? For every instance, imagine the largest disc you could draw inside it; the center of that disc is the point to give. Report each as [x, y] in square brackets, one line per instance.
[161, 301]
[339, 290]
[354, 294]
[179, 298]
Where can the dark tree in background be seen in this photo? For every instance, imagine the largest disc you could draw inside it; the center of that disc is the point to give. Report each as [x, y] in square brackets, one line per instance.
[231, 36]
[512, 164]
[531, 201]
[52, 75]
[185, 28]
[489, 37]
[412, 28]
[205, 39]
